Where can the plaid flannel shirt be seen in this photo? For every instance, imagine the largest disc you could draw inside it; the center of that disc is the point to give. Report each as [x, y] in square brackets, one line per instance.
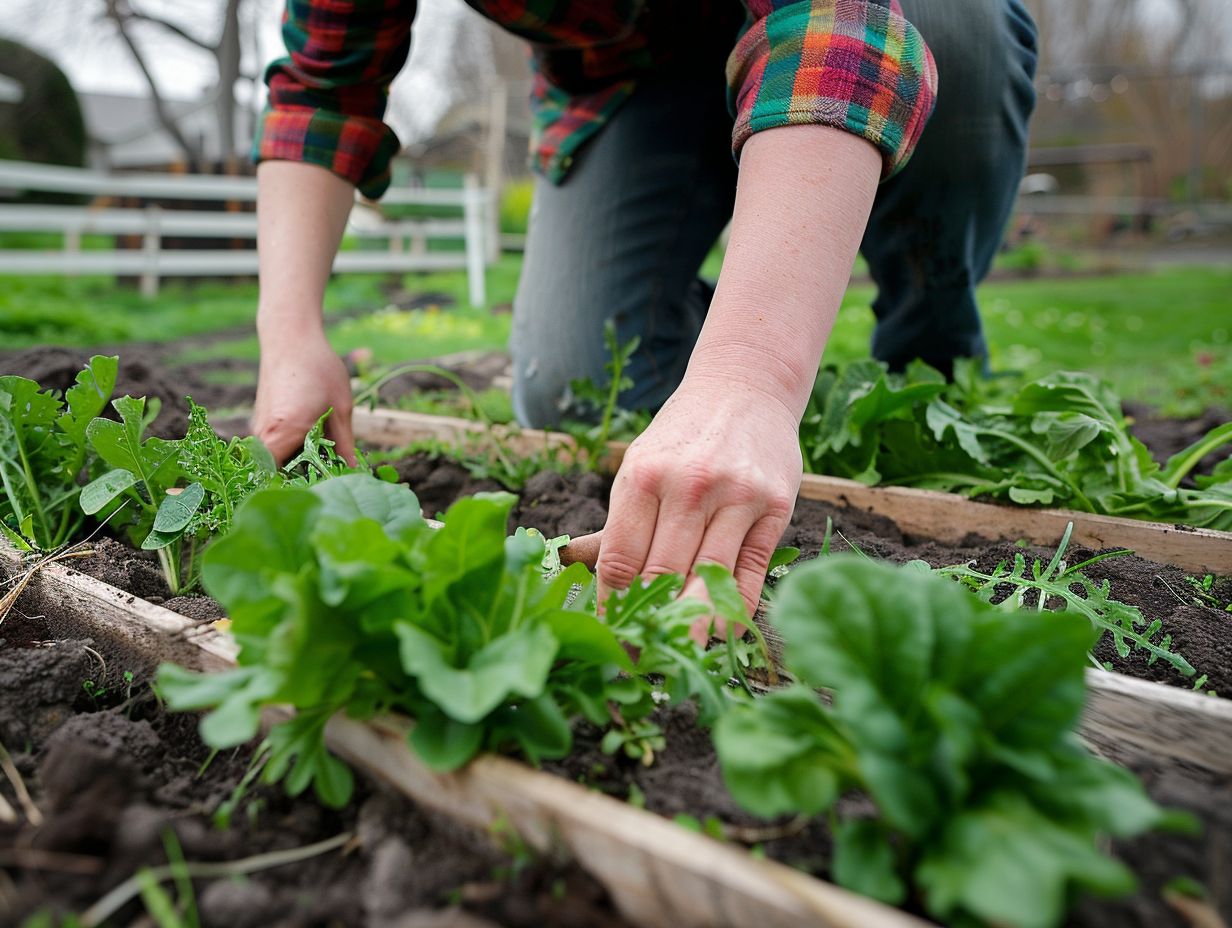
[856, 65]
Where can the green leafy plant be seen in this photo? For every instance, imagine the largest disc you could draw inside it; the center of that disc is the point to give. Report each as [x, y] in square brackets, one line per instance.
[956, 719]
[1036, 585]
[44, 453]
[139, 492]
[342, 598]
[1059, 441]
[604, 401]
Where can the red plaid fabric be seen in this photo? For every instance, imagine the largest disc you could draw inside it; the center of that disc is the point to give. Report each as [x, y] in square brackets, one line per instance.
[857, 65]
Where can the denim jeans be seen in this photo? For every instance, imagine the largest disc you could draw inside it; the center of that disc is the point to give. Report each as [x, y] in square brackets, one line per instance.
[625, 234]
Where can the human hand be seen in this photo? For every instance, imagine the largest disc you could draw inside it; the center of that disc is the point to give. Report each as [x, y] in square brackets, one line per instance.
[298, 380]
[714, 479]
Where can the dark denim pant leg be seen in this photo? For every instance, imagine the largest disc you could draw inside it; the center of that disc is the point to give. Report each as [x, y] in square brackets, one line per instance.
[936, 226]
[623, 238]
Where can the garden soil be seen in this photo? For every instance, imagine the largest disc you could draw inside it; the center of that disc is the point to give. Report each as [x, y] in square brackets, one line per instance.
[116, 778]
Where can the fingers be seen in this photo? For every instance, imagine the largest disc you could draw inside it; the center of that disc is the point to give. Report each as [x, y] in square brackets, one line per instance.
[338, 429]
[281, 439]
[632, 513]
[742, 548]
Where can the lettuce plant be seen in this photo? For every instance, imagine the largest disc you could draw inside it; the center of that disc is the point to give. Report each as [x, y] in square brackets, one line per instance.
[342, 598]
[956, 719]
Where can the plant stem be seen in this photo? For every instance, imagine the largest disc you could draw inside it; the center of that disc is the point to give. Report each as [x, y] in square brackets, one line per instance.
[131, 888]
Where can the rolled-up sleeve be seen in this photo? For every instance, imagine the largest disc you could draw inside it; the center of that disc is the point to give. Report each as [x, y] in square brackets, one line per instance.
[327, 98]
[856, 65]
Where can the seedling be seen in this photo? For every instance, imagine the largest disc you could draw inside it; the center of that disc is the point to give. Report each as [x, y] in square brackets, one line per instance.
[1056, 581]
[43, 452]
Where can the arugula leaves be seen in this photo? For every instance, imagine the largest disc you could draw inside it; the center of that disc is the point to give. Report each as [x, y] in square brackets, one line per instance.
[1057, 441]
[343, 598]
[44, 453]
[956, 719]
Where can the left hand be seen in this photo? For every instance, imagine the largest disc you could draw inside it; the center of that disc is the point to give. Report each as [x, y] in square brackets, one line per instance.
[713, 479]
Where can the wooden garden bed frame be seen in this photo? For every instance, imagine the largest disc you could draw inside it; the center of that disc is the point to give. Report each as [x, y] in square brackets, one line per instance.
[946, 517]
[658, 874]
[1125, 718]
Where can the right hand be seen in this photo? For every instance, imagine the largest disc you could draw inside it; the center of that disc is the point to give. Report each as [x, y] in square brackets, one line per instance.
[297, 381]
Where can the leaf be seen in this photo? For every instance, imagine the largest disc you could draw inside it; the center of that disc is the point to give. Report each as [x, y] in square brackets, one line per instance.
[782, 754]
[177, 509]
[88, 396]
[516, 664]
[443, 743]
[1066, 433]
[270, 538]
[1005, 863]
[864, 862]
[96, 494]
[392, 506]
[235, 695]
[943, 418]
[537, 726]
[725, 598]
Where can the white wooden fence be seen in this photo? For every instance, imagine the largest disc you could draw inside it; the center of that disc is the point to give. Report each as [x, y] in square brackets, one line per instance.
[408, 239]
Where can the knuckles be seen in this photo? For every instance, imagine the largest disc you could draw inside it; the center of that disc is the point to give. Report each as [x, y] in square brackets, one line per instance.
[695, 485]
[616, 570]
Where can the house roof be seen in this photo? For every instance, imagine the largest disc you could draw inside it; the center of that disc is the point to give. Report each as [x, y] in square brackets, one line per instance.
[124, 130]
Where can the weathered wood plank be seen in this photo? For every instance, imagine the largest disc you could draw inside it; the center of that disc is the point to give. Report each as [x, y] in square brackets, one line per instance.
[945, 517]
[660, 875]
[69, 602]
[1128, 718]
[951, 518]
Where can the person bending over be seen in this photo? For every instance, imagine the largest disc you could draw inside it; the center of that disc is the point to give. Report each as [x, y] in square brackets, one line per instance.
[815, 127]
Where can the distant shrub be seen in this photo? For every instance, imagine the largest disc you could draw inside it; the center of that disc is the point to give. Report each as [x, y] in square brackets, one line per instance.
[515, 206]
[46, 125]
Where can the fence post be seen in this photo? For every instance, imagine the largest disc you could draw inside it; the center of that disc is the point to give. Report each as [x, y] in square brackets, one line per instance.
[72, 247]
[150, 246]
[476, 253]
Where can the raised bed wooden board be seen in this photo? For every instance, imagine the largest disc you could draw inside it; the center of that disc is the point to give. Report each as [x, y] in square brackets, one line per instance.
[658, 874]
[945, 517]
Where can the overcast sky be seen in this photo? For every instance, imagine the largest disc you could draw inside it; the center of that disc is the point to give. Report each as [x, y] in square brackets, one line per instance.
[95, 59]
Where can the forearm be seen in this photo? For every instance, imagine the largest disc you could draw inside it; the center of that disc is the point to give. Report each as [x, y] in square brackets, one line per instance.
[302, 211]
[802, 202]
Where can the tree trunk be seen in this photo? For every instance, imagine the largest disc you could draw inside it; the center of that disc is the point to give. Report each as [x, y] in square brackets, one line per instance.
[165, 119]
[228, 56]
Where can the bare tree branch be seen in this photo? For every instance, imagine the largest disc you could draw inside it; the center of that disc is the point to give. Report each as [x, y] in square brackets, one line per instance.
[175, 28]
[165, 119]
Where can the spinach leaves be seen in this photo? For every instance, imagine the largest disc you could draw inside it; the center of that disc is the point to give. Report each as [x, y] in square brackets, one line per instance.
[1058, 441]
[956, 719]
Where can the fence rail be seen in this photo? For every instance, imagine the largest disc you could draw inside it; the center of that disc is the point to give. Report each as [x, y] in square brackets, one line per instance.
[413, 243]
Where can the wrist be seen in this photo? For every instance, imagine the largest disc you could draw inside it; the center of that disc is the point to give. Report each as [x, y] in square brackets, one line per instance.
[750, 378]
[280, 325]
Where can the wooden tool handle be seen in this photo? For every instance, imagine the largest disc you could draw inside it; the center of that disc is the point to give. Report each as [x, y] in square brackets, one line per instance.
[582, 550]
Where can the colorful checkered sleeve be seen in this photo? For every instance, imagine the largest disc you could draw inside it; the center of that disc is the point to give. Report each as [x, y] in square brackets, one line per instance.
[856, 65]
[327, 98]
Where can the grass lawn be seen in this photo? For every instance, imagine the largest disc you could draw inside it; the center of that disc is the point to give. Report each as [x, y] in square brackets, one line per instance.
[1160, 337]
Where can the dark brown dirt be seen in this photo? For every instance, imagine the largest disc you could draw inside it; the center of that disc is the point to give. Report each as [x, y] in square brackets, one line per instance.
[1165, 436]
[143, 373]
[685, 779]
[114, 776]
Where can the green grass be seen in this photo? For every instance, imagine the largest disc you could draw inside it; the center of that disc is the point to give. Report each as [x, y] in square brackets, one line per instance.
[1160, 337]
